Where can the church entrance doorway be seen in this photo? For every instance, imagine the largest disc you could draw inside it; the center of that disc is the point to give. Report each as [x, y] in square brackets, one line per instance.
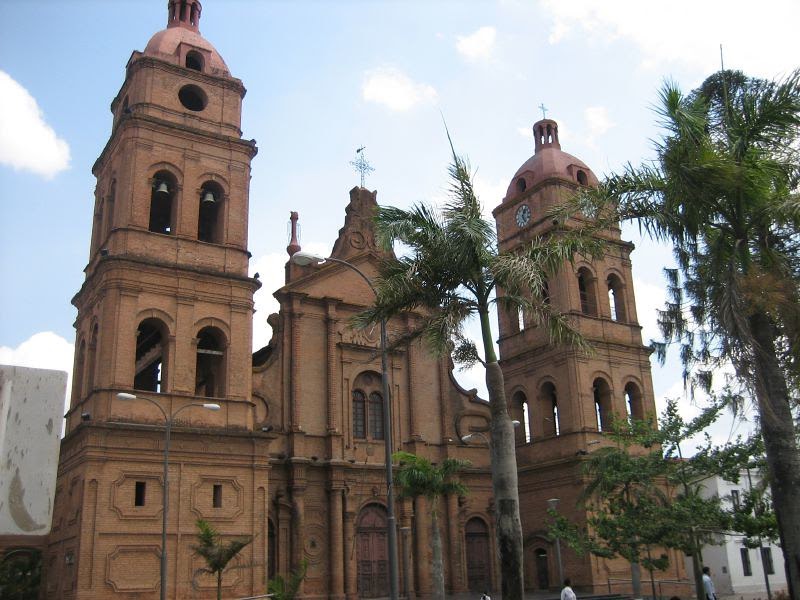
[542, 569]
[372, 552]
[477, 543]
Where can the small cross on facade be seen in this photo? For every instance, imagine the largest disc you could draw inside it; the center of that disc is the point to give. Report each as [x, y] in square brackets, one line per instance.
[544, 110]
[361, 165]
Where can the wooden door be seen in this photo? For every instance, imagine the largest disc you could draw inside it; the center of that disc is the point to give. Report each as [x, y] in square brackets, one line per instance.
[372, 553]
[479, 575]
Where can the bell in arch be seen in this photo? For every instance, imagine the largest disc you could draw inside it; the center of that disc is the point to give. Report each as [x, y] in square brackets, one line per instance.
[162, 189]
[208, 197]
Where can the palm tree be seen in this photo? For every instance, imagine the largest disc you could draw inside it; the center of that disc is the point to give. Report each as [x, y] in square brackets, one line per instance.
[724, 191]
[453, 271]
[215, 552]
[417, 476]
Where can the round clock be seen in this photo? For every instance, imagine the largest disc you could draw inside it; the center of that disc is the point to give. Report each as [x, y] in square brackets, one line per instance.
[523, 215]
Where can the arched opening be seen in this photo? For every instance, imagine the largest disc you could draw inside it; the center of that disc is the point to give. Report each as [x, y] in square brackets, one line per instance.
[542, 569]
[520, 319]
[587, 292]
[372, 552]
[634, 404]
[210, 364]
[208, 226]
[520, 411]
[272, 550]
[78, 373]
[602, 403]
[549, 403]
[368, 406]
[521, 185]
[581, 177]
[192, 98]
[476, 538]
[616, 298]
[194, 60]
[151, 356]
[91, 360]
[162, 196]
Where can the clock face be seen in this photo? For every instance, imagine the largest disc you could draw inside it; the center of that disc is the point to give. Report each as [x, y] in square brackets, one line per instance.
[523, 215]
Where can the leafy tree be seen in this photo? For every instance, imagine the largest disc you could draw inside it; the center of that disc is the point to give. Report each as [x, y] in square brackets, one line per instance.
[724, 191]
[215, 552]
[452, 271]
[286, 588]
[417, 476]
[20, 574]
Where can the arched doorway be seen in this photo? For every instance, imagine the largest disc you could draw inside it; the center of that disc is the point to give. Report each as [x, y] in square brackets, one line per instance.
[371, 552]
[542, 569]
[479, 576]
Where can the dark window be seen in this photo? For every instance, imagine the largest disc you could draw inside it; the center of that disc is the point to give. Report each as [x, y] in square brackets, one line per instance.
[748, 570]
[216, 500]
[735, 499]
[549, 403]
[210, 364]
[376, 416]
[521, 185]
[359, 415]
[151, 354]
[766, 560]
[616, 299]
[633, 402]
[161, 205]
[586, 291]
[582, 179]
[208, 216]
[193, 98]
[139, 493]
[602, 402]
[194, 60]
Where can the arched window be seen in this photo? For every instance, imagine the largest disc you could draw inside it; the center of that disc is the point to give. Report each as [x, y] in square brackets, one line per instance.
[520, 411]
[151, 356]
[616, 298]
[602, 404]
[549, 404]
[162, 207]
[208, 226]
[194, 60]
[586, 291]
[521, 185]
[634, 404]
[92, 360]
[368, 407]
[210, 364]
[581, 177]
[78, 373]
[109, 213]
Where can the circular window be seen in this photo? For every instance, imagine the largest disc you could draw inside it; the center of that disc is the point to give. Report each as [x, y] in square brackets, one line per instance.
[193, 98]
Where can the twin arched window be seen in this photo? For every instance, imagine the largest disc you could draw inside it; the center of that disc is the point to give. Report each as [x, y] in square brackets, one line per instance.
[587, 293]
[163, 208]
[368, 407]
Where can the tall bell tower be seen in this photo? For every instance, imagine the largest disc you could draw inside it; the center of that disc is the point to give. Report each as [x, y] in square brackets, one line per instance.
[165, 314]
[566, 400]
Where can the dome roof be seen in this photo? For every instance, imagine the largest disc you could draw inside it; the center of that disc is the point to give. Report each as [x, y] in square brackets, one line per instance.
[548, 162]
[183, 27]
[165, 43]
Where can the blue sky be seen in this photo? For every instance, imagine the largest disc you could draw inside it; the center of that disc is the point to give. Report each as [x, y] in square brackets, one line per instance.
[326, 77]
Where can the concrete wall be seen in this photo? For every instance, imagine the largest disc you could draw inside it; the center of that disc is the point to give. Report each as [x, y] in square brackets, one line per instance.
[31, 411]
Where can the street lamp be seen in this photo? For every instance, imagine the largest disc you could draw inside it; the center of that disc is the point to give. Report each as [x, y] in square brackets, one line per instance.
[471, 436]
[168, 420]
[306, 258]
[552, 503]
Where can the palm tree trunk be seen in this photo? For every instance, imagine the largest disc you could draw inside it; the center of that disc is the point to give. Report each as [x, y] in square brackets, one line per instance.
[504, 473]
[783, 458]
[437, 568]
[636, 579]
[219, 584]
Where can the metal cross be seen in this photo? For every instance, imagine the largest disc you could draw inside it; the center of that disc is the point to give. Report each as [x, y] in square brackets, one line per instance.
[544, 110]
[361, 165]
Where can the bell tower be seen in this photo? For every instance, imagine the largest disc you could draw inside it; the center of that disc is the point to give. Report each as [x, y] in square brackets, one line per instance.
[165, 315]
[563, 399]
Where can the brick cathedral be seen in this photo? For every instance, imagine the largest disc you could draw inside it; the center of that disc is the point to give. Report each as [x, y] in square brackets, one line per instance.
[294, 454]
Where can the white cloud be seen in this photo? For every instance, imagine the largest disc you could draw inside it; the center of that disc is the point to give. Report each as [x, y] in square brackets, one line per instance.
[44, 350]
[649, 299]
[526, 132]
[478, 45]
[597, 121]
[27, 142]
[395, 90]
[490, 194]
[754, 41]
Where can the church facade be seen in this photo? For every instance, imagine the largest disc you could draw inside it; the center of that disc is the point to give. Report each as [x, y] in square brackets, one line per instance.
[287, 444]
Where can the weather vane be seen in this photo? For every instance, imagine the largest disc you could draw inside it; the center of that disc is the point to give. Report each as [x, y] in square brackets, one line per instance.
[361, 165]
[544, 110]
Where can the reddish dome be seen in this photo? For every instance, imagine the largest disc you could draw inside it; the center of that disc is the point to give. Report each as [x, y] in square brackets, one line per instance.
[548, 162]
[165, 44]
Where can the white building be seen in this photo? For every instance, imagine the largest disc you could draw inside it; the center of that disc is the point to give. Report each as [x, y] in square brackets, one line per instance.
[738, 571]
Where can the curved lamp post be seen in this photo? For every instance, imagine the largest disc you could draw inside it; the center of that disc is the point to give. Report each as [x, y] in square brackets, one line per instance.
[168, 420]
[306, 258]
[475, 434]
